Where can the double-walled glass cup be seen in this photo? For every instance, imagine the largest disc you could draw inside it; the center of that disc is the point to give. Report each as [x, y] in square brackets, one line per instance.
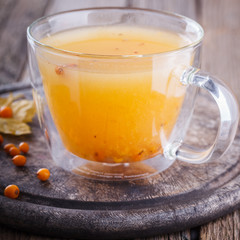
[123, 116]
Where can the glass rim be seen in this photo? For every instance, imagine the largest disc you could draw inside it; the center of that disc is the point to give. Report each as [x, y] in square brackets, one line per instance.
[192, 44]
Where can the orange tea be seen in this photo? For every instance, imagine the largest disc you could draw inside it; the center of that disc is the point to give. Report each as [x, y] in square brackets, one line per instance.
[107, 108]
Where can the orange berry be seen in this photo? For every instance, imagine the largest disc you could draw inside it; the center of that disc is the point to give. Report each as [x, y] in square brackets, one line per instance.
[8, 146]
[59, 70]
[43, 174]
[1, 139]
[24, 147]
[14, 151]
[19, 160]
[46, 134]
[6, 112]
[11, 191]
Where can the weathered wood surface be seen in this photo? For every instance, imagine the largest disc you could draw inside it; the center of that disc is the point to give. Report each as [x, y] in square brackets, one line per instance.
[221, 55]
[183, 196]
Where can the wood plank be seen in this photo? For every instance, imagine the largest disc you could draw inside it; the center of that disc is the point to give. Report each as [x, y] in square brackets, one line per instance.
[7, 233]
[185, 235]
[209, 68]
[62, 5]
[236, 225]
[227, 227]
[222, 228]
[188, 8]
[12, 234]
[15, 16]
[221, 52]
[184, 7]
[221, 55]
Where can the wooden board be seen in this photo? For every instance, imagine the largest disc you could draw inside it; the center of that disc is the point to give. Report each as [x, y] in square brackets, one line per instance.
[67, 205]
[220, 20]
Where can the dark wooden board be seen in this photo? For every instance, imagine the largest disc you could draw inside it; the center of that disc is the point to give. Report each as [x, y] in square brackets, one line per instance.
[67, 205]
[220, 57]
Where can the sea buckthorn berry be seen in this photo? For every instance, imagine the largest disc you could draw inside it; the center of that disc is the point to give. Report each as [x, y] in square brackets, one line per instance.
[24, 147]
[14, 151]
[6, 112]
[19, 160]
[1, 139]
[46, 134]
[11, 191]
[8, 146]
[59, 70]
[43, 174]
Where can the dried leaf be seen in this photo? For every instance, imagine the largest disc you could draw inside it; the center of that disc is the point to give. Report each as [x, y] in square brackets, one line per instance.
[23, 110]
[7, 101]
[13, 126]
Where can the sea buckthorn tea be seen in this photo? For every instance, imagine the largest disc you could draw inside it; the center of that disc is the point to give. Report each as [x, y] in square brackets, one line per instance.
[113, 111]
[115, 90]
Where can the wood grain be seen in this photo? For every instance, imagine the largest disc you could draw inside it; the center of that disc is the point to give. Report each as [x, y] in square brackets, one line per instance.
[15, 16]
[223, 228]
[62, 5]
[12, 234]
[221, 52]
[183, 196]
[185, 7]
[221, 56]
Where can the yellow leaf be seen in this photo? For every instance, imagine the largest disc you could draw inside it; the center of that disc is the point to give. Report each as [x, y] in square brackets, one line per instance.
[13, 126]
[23, 110]
[7, 101]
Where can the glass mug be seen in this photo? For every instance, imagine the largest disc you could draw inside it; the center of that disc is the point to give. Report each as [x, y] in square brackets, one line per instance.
[112, 116]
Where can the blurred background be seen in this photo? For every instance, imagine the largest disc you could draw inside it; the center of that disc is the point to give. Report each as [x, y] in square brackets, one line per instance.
[220, 56]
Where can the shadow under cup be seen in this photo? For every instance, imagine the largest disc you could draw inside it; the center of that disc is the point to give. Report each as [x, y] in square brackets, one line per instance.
[112, 116]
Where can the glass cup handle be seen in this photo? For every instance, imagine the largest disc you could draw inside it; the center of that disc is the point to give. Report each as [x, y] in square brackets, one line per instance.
[229, 116]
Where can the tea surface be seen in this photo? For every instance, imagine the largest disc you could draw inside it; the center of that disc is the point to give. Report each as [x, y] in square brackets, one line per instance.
[116, 40]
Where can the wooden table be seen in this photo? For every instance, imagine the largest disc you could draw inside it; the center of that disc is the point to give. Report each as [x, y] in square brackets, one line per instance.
[221, 56]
